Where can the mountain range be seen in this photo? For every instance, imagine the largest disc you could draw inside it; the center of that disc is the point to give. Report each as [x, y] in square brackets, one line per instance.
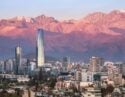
[97, 34]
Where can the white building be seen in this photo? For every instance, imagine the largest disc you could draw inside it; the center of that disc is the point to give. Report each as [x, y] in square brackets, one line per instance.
[84, 76]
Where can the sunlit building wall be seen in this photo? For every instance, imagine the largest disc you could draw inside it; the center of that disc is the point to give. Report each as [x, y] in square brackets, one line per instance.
[40, 48]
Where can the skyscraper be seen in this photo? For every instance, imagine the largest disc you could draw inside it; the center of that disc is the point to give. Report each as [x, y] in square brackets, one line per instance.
[40, 48]
[17, 59]
[95, 63]
[66, 62]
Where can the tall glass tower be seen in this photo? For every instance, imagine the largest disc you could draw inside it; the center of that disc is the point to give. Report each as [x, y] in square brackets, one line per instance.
[40, 47]
[18, 58]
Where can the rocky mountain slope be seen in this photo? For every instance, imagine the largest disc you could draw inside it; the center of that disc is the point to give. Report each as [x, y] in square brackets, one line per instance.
[99, 34]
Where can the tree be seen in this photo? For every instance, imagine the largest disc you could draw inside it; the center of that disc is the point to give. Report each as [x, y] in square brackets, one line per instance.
[108, 90]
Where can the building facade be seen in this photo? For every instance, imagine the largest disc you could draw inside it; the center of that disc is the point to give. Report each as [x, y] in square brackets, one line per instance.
[18, 51]
[40, 47]
[95, 63]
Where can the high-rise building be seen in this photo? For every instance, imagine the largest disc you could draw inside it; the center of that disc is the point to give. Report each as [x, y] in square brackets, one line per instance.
[17, 59]
[95, 63]
[9, 66]
[65, 62]
[2, 66]
[40, 47]
[78, 75]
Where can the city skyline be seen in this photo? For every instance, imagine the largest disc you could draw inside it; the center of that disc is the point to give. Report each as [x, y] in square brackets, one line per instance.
[62, 48]
[62, 10]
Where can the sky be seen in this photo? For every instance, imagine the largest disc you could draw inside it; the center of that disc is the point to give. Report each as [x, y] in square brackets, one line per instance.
[60, 9]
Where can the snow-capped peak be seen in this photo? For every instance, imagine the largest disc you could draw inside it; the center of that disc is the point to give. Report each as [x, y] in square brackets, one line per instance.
[122, 10]
[20, 18]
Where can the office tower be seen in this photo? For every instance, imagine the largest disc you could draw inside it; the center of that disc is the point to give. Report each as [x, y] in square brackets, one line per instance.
[17, 59]
[97, 60]
[65, 62]
[9, 66]
[40, 48]
[121, 67]
[95, 63]
[2, 66]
